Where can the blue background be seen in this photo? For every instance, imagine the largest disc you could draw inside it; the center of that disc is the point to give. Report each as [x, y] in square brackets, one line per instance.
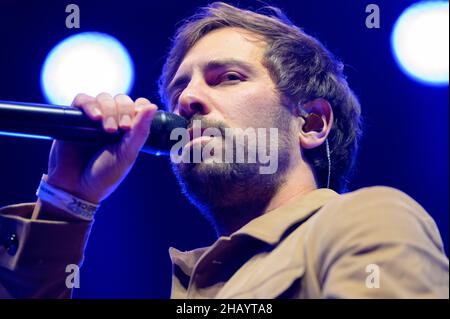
[405, 143]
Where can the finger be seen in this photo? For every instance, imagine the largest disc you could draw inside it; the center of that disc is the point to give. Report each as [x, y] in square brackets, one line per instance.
[88, 104]
[143, 105]
[135, 138]
[140, 103]
[109, 111]
[125, 108]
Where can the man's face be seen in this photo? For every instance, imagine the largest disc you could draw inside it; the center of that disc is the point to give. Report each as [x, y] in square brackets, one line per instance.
[222, 82]
[224, 74]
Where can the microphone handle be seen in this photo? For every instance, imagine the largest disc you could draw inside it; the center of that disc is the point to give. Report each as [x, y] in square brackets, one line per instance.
[35, 120]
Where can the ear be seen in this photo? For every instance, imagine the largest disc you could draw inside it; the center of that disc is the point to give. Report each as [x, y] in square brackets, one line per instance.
[322, 111]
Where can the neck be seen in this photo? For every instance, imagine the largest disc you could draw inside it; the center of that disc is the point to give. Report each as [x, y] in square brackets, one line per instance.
[298, 182]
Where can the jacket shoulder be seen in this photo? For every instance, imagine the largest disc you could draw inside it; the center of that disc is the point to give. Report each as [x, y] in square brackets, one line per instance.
[381, 213]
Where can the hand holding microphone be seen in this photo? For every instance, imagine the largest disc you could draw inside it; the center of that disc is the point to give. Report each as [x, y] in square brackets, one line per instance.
[96, 142]
[93, 172]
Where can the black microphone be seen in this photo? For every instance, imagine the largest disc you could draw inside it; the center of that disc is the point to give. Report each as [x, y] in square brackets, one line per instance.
[32, 120]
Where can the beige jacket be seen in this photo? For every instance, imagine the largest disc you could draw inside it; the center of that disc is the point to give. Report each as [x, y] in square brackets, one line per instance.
[376, 242]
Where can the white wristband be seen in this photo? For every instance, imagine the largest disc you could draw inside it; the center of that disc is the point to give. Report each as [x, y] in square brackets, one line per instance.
[65, 201]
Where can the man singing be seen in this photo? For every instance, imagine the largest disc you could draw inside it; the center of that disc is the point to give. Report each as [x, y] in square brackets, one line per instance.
[291, 233]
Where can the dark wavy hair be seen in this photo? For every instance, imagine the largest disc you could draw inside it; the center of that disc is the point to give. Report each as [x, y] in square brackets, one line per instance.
[300, 66]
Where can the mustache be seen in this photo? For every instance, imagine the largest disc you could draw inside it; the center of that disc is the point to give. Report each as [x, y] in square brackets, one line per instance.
[208, 123]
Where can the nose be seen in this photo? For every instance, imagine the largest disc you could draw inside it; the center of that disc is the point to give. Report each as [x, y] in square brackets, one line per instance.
[193, 100]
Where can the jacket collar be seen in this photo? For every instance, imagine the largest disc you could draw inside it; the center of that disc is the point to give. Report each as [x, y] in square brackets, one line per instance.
[272, 225]
[268, 228]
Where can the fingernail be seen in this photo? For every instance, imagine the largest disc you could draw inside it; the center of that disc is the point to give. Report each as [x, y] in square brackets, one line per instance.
[96, 112]
[125, 120]
[110, 123]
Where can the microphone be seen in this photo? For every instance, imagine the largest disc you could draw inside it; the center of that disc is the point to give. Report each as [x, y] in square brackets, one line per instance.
[42, 121]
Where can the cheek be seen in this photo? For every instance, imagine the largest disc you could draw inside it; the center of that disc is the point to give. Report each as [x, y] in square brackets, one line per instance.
[254, 106]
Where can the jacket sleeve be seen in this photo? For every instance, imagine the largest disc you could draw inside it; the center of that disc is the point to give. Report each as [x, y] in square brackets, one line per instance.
[385, 245]
[37, 257]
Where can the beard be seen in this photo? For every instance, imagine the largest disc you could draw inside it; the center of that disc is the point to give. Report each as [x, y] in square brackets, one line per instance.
[237, 190]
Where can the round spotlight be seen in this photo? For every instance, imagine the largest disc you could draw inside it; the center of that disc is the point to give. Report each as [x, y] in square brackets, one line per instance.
[420, 42]
[88, 62]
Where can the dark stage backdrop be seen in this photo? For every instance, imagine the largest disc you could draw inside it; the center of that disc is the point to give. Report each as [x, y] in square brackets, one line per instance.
[405, 143]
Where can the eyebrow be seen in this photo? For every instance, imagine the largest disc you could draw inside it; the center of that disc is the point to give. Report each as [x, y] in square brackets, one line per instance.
[211, 65]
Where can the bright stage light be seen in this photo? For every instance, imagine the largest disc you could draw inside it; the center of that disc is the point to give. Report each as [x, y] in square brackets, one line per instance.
[420, 42]
[88, 63]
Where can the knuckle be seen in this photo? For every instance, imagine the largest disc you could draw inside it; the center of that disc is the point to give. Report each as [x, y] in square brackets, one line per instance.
[122, 97]
[142, 100]
[106, 102]
[80, 99]
[124, 102]
[104, 97]
[79, 96]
